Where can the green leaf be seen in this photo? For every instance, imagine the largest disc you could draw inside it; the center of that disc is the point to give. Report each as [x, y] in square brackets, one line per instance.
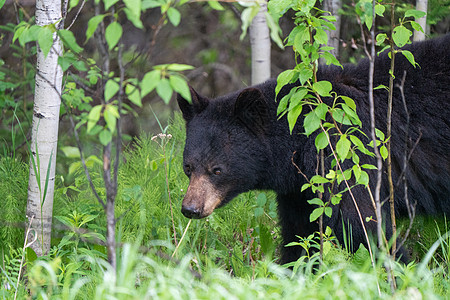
[321, 141]
[71, 152]
[356, 171]
[259, 211]
[45, 40]
[292, 116]
[261, 199]
[349, 101]
[317, 188]
[379, 134]
[275, 30]
[176, 67]
[351, 114]
[247, 16]
[355, 157]
[379, 9]
[330, 59]
[316, 214]
[279, 7]
[305, 186]
[416, 26]
[2, 2]
[323, 88]
[215, 5]
[368, 166]
[150, 81]
[321, 36]
[133, 18]
[328, 211]
[316, 201]
[304, 75]
[109, 3]
[311, 123]
[340, 116]
[364, 178]
[321, 111]
[105, 137]
[401, 35]
[19, 30]
[174, 16]
[417, 14]
[336, 199]
[343, 147]
[357, 142]
[282, 105]
[331, 174]
[283, 79]
[111, 88]
[113, 33]
[410, 57]
[69, 40]
[180, 86]
[93, 117]
[30, 34]
[92, 26]
[297, 97]
[135, 7]
[164, 90]
[153, 165]
[381, 37]
[317, 179]
[147, 4]
[384, 152]
[111, 114]
[133, 94]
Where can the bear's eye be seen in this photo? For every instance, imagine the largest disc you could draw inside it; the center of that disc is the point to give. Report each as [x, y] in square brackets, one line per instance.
[217, 171]
[187, 170]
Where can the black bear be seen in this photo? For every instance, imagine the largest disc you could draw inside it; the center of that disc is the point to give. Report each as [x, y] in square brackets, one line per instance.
[235, 143]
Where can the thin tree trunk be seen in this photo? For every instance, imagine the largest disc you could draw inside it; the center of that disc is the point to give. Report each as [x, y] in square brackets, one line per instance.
[333, 7]
[422, 6]
[260, 44]
[44, 134]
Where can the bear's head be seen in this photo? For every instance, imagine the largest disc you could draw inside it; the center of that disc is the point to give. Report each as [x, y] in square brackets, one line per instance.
[226, 151]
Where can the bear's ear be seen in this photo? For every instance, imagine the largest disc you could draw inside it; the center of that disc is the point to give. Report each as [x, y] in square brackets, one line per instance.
[197, 105]
[252, 110]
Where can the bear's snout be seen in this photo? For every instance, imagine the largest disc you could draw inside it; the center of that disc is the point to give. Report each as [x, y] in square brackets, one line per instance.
[191, 212]
[201, 198]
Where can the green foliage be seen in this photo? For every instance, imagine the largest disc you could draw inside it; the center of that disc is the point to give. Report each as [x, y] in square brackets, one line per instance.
[239, 239]
[142, 276]
[13, 190]
[324, 111]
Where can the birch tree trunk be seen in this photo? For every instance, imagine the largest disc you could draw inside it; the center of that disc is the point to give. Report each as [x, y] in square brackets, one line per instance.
[260, 45]
[421, 5]
[333, 7]
[44, 134]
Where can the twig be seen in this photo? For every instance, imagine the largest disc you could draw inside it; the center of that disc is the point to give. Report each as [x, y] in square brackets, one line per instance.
[372, 130]
[76, 16]
[411, 208]
[25, 246]
[182, 237]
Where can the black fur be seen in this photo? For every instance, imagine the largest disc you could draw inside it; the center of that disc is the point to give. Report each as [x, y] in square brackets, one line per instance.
[239, 133]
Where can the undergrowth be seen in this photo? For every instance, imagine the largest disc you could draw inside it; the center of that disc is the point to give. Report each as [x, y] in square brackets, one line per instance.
[229, 255]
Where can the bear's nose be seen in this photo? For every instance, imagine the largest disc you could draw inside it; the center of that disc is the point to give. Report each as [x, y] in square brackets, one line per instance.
[191, 212]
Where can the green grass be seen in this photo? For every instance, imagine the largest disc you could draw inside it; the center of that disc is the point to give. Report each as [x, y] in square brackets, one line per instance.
[229, 255]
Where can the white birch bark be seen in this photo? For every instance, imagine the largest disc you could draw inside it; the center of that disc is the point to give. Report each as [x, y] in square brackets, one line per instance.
[421, 5]
[44, 134]
[333, 7]
[260, 45]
